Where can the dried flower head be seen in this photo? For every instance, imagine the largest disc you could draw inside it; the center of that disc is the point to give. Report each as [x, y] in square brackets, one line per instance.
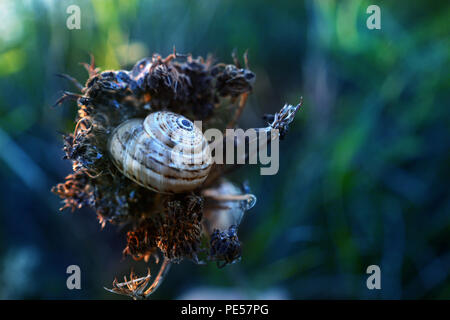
[179, 228]
[169, 225]
[225, 246]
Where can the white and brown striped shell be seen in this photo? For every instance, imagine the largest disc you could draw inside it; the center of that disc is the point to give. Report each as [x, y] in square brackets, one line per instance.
[165, 152]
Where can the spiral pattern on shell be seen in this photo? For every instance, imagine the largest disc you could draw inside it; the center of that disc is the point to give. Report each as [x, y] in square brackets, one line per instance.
[165, 152]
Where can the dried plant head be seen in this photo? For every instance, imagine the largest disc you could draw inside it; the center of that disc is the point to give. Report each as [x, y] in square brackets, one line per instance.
[172, 227]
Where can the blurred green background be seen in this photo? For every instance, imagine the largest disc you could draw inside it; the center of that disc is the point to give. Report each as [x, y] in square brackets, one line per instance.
[364, 170]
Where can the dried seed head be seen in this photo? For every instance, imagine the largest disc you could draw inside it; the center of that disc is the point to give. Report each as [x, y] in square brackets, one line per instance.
[172, 224]
[76, 191]
[225, 246]
[232, 81]
[179, 228]
[141, 242]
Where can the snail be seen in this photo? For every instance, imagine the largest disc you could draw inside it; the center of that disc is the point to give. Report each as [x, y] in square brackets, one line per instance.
[225, 206]
[165, 152]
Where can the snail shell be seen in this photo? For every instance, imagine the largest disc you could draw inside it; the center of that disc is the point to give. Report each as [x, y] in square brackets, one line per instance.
[165, 152]
[222, 214]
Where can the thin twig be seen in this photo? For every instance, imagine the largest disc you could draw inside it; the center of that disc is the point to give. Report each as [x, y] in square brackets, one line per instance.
[239, 110]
